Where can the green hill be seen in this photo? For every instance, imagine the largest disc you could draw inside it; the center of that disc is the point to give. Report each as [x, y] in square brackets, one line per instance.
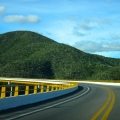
[31, 55]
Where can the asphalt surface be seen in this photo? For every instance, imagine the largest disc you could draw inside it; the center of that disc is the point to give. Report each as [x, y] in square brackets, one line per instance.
[100, 102]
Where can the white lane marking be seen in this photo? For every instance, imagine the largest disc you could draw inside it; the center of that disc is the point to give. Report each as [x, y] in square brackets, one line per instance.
[25, 114]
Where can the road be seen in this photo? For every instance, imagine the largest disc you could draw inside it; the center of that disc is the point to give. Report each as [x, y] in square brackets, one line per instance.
[89, 102]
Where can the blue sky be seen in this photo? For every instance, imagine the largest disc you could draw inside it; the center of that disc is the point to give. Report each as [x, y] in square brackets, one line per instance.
[92, 26]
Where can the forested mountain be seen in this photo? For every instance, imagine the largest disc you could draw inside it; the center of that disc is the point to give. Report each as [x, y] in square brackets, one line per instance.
[31, 55]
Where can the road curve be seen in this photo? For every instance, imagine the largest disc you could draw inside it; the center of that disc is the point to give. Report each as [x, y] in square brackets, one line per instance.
[98, 103]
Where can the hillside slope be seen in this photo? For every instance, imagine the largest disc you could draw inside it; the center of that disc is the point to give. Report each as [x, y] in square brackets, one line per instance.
[31, 55]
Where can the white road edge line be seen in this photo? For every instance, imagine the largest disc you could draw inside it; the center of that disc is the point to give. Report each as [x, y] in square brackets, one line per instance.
[88, 89]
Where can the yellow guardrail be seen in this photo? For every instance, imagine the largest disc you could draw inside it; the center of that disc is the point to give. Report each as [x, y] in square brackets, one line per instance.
[9, 87]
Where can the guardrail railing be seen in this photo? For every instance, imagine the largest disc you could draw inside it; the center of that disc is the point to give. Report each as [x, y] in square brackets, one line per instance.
[9, 87]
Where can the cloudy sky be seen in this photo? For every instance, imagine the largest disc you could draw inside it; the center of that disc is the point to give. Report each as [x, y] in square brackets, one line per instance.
[92, 26]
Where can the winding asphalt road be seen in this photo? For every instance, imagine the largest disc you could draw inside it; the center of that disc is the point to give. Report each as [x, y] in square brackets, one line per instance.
[89, 102]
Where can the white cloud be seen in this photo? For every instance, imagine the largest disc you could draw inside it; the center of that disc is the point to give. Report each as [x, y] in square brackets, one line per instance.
[102, 21]
[77, 33]
[2, 9]
[115, 36]
[85, 25]
[89, 25]
[92, 46]
[22, 19]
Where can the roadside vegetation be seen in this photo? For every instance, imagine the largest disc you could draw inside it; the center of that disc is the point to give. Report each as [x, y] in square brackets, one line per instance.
[30, 55]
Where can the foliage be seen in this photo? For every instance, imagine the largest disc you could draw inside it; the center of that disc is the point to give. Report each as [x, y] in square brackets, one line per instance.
[31, 55]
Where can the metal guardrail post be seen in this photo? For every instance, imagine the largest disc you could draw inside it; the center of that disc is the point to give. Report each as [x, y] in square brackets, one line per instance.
[11, 90]
[27, 90]
[56, 87]
[35, 89]
[52, 89]
[47, 88]
[3, 92]
[63, 87]
[42, 88]
[16, 91]
[59, 87]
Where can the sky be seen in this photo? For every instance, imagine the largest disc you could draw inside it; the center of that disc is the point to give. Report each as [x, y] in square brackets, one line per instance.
[92, 26]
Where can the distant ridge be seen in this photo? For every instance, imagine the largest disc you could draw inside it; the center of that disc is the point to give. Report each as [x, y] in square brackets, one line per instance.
[31, 55]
